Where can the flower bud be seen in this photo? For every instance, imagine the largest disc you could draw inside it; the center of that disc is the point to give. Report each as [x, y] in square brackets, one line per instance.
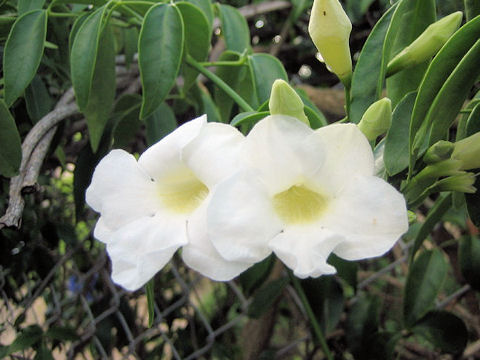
[467, 151]
[427, 44]
[285, 101]
[377, 119]
[441, 150]
[330, 29]
[461, 183]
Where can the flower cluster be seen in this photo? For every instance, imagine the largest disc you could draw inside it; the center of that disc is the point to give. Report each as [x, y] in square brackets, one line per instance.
[230, 200]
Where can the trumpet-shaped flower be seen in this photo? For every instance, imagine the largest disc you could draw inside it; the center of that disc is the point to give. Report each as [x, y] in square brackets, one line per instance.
[304, 194]
[151, 207]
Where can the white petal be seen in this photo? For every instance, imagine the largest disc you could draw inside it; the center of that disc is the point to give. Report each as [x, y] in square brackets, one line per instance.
[348, 154]
[200, 255]
[165, 154]
[284, 151]
[305, 249]
[372, 216]
[143, 247]
[241, 219]
[102, 232]
[120, 190]
[213, 154]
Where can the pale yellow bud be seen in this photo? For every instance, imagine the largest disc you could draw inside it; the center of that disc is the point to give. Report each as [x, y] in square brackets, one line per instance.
[427, 44]
[377, 119]
[330, 29]
[285, 101]
[467, 151]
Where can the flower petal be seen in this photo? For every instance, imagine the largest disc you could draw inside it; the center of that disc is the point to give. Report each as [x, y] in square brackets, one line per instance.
[348, 154]
[213, 154]
[141, 248]
[165, 154]
[241, 219]
[371, 214]
[102, 232]
[201, 255]
[305, 249]
[120, 190]
[284, 151]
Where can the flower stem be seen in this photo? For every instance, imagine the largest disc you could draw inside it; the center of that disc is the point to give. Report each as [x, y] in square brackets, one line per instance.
[220, 83]
[347, 102]
[311, 316]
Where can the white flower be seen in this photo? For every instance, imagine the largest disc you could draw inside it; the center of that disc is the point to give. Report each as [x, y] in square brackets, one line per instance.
[305, 194]
[152, 207]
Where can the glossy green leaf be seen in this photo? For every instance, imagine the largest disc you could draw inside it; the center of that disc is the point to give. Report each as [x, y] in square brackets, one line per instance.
[255, 276]
[413, 18]
[369, 74]
[197, 38]
[149, 289]
[472, 126]
[86, 2]
[23, 52]
[38, 100]
[76, 26]
[207, 9]
[6, 23]
[131, 44]
[472, 9]
[265, 297]
[25, 6]
[346, 270]
[469, 258]
[160, 50]
[396, 154]
[84, 56]
[249, 117]
[266, 69]
[159, 124]
[433, 89]
[205, 104]
[234, 28]
[443, 330]
[126, 114]
[325, 295]
[424, 281]
[102, 93]
[11, 152]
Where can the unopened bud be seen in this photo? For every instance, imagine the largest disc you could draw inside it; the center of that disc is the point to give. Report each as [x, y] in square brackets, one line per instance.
[441, 150]
[467, 151]
[330, 28]
[285, 101]
[427, 44]
[461, 183]
[377, 119]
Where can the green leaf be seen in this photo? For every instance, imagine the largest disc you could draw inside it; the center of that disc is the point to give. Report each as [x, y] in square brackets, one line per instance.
[443, 330]
[346, 270]
[396, 153]
[252, 278]
[23, 52]
[160, 49]
[204, 103]
[313, 113]
[362, 323]
[197, 38]
[28, 337]
[131, 45]
[369, 74]
[76, 26]
[234, 28]
[25, 6]
[127, 116]
[102, 93]
[325, 295]
[265, 297]
[413, 17]
[469, 256]
[424, 281]
[43, 353]
[472, 126]
[207, 9]
[266, 69]
[249, 117]
[84, 55]
[62, 333]
[11, 153]
[37, 99]
[149, 289]
[434, 88]
[159, 124]
[472, 9]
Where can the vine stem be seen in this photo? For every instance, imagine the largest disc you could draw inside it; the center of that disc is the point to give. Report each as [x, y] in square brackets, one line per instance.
[311, 316]
[219, 82]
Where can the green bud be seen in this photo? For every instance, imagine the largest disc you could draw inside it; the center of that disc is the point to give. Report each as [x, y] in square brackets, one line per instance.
[427, 44]
[461, 183]
[377, 119]
[412, 217]
[330, 28]
[441, 150]
[285, 101]
[467, 151]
